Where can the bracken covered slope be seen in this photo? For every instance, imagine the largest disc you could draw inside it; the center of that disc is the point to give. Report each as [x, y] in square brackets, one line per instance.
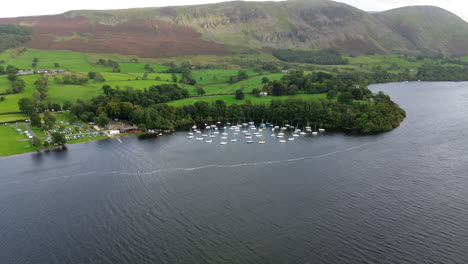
[240, 26]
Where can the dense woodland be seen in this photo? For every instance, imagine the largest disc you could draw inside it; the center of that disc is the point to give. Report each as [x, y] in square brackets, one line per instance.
[12, 36]
[353, 109]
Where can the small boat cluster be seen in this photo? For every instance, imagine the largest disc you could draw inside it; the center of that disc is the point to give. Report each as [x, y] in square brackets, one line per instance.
[250, 132]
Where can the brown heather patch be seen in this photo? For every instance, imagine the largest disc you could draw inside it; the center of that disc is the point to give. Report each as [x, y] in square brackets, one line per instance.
[143, 38]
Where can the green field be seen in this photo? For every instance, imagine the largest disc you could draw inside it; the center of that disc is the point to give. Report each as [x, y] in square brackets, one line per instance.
[216, 76]
[12, 117]
[59, 93]
[247, 85]
[9, 141]
[230, 99]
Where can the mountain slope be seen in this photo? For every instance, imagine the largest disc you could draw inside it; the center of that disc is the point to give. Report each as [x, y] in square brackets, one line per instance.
[240, 26]
[429, 28]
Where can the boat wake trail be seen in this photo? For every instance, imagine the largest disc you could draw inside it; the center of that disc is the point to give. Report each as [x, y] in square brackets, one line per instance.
[216, 166]
[250, 164]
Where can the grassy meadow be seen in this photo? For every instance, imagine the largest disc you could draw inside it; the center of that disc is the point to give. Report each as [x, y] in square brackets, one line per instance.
[11, 142]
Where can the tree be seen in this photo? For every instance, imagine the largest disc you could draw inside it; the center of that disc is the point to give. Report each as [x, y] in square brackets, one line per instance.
[242, 75]
[35, 120]
[18, 86]
[345, 98]
[174, 78]
[239, 94]
[49, 120]
[265, 80]
[27, 105]
[56, 64]
[35, 143]
[67, 105]
[256, 92]
[12, 77]
[199, 89]
[58, 139]
[46, 144]
[41, 86]
[102, 120]
[331, 94]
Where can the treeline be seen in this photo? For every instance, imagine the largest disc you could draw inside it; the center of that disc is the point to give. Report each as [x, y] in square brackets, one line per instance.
[322, 57]
[17, 84]
[71, 79]
[377, 114]
[110, 63]
[12, 36]
[318, 82]
[185, 69]
[431, 72]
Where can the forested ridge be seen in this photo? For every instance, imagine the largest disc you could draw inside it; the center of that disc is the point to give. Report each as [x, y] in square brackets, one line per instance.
[12, 36]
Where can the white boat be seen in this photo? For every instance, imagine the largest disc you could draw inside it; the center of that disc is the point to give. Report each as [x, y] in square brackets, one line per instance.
[283, 128]
[213, 126]
[224, 138]
[194, 127]
[321, 129]
[223, 143]
[225, 134]
[190, 137]
[248, 137]
[314, 133]
[216, 132]
[295, 135]
[235, 133]
[249, 141]
[291, 139]
[303, 133]
[277, 127]
[209, 141]
[273, 135]
[258, 135]
[198, 132]
[233, 140]
[262, 142]
[204, 135]
[199, 139]
[190, 134]
[212, 136]
[251, 123]
[208, 127]
[282, 141]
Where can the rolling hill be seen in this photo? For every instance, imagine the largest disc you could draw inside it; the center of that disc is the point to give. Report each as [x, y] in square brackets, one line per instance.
[248, 26]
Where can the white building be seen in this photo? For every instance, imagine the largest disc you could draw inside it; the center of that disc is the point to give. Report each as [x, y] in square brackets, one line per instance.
[114, 132]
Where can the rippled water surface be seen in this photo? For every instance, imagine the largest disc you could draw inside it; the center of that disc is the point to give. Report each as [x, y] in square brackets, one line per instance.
[397, 197]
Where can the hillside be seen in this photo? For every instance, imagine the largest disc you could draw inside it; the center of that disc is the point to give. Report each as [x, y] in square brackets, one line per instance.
[431, 29]
[247, 26]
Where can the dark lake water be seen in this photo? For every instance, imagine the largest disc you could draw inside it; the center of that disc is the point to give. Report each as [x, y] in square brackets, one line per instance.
[397, 197]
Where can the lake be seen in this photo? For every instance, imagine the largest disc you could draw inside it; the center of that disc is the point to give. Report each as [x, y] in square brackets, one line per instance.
[397, 197]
